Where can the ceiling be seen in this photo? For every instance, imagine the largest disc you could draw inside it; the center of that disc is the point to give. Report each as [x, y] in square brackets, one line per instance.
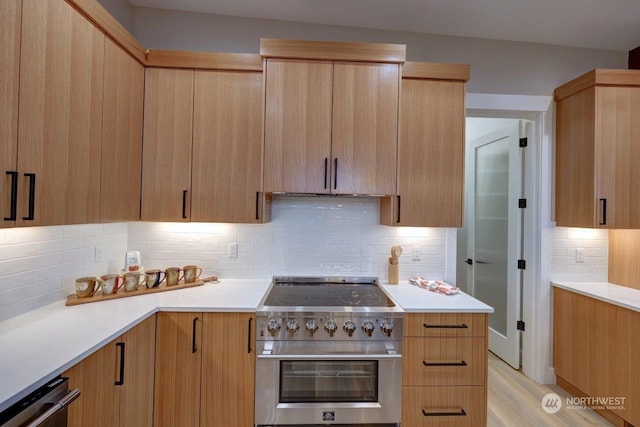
[600, 24]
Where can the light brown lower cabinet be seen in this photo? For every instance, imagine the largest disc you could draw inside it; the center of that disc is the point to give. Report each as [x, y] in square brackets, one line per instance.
[116, 382]
[595, 352]
[444, 371]
[204, 369]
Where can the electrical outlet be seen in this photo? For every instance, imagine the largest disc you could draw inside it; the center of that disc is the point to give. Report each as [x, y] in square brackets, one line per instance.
[97, 253]
[580, 255]
[416, 255]
[232, 250]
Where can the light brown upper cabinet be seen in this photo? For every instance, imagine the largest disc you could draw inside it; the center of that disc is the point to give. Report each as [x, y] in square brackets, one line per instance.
[10, 22]
[430, 148]
[121, 135]
[598, 150]
[227, 147]
[60, 125]
[168, 124]
[331, 123]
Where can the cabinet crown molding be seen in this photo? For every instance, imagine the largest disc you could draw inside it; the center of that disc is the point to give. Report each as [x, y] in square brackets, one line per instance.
[333, 51]
[598, 77]
[436, 71]
[203, 60]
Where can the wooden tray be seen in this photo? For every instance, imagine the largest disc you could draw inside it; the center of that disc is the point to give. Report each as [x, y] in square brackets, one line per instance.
[74, 300]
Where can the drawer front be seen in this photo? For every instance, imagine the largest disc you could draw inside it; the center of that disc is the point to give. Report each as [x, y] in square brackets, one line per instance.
[444, 361]
[446, 325]
[444, 406]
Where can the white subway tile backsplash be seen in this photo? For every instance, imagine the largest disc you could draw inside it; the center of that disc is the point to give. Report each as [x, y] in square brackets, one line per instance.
[307, 236]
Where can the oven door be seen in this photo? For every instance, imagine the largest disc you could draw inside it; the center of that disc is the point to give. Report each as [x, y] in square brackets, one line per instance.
[328, 389]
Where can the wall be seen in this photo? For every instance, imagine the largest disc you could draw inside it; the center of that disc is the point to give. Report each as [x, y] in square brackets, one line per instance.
[38, 265]
[307, 236]
[496, 66]
[121, 10]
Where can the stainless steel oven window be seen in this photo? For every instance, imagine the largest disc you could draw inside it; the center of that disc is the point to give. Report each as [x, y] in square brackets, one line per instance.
[321, 381]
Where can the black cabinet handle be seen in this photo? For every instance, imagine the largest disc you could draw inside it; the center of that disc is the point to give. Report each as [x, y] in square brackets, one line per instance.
[184, 204]
[249, 336]
[469, 261]
[257, 205]
[32, 196]
[193, 336]
[461, 363]
[326, 171]
[14, 196]
[335, 167]
[398, 220]
[121, 380]
[603, 203]
[461, 326]
[462, 413]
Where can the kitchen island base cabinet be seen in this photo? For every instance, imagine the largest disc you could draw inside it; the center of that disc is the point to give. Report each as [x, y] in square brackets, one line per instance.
[116, 382]
[445, 368]
[204, 369]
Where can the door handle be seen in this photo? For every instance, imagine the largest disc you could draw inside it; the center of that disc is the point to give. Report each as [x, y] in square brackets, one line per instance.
[32, 196]
[193, 336]
[469, 261]
[257, 205]
[121, 379]
[55, 408]
[184, 204]
[335, 167]
[398, 220]
[249, 336]
[326, 171]
[603, 203]
[14, 196]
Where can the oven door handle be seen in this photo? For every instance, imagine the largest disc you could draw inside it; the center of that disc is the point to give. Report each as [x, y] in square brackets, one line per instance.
[369, 356]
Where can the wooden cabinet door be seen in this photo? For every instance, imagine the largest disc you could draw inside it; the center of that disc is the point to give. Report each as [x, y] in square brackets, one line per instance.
[10, 22]
[431, 154]
[136, 390]
[227, 147]
[597, 152]
[121, 136]
[298, 97]
[167, 141]
[60, 125]
[98, 404]
[365, 128]
[617, 154]
[177, 369]
[228, 369]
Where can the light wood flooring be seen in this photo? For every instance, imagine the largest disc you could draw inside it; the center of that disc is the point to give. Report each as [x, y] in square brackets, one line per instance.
[515, 400]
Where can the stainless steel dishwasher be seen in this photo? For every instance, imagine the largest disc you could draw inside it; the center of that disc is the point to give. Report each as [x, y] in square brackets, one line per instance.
[45, 407]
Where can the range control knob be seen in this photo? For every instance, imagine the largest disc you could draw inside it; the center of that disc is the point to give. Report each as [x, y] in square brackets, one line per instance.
[386, 327]
[349, 327]
[311, 326]
[292, 326]
[330, 326]
[273, 327]
[368, 328]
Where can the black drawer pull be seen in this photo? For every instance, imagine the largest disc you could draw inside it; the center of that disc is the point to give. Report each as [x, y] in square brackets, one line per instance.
[249, 336]
[335, 184]
[184, 204]
[461, 326]
[14, 196]
[326, 171]
[398, 220]
[462, 413]
[257, 205]
[461, 363]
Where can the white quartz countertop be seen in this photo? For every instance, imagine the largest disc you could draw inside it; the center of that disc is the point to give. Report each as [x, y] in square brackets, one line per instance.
[37, 346]
[413, 299]
[608, 292]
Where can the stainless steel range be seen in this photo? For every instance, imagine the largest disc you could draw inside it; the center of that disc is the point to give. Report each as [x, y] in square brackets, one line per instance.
[329, 352]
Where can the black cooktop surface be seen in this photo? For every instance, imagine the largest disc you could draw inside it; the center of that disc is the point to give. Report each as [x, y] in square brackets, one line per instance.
[327, 294]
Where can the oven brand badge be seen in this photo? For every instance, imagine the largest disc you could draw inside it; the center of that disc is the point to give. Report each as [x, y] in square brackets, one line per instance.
[328, 416]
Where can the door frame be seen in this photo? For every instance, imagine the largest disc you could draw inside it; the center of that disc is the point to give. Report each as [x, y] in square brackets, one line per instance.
[537, 352]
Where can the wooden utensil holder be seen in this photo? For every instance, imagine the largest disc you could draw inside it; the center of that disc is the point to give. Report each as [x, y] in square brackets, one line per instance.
[393, 274]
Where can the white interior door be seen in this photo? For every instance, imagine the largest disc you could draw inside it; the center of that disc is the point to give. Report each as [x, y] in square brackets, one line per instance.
[494, 221]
